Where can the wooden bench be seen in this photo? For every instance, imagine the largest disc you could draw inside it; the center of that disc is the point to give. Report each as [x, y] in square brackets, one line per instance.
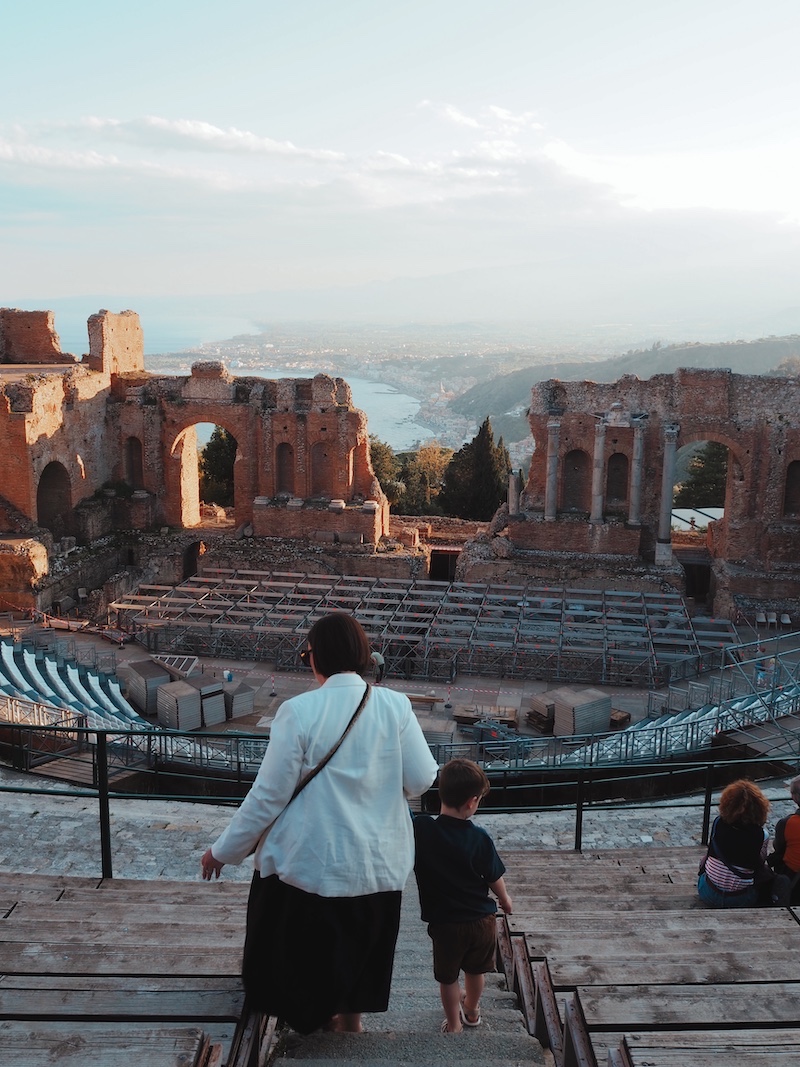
[428, 700]
[617, 963]
[116, 971]
[473, 713]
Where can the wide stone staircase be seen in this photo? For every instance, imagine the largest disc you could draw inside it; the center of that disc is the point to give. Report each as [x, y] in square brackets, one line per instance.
[408, 1034]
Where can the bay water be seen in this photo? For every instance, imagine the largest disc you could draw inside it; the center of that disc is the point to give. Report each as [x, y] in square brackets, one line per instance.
[391, 415]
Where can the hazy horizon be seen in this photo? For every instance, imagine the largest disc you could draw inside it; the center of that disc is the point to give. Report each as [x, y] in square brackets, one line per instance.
[505, 163]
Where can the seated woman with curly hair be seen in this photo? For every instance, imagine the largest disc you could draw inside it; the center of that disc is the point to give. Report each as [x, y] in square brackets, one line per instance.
[735, 867]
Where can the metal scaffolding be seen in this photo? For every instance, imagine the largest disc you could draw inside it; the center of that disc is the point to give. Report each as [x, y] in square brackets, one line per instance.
[434, 630]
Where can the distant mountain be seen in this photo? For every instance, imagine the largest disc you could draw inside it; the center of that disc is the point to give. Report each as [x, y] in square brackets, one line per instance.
[505, 398]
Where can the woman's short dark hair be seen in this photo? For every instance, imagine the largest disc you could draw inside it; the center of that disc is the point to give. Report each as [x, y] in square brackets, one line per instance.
[742, 803]
[339, 643]
[460, 780]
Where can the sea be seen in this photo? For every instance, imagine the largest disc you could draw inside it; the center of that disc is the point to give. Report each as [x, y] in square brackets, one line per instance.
[392, 416]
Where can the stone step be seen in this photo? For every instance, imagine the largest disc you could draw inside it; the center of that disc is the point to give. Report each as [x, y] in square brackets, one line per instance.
[469, 1049]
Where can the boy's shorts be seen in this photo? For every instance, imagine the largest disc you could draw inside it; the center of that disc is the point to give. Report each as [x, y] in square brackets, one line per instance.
[470, 947]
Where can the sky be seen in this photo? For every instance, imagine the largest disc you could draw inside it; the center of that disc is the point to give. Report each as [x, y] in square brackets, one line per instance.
[507, 160]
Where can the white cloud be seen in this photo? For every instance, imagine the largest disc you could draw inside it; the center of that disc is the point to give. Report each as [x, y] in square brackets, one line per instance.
[35, 155]
[510, 123]
[180, 134]
[746, 180]
[464, 189]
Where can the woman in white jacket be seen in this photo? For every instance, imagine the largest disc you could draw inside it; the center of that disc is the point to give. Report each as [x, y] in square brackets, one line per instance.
[330, 861]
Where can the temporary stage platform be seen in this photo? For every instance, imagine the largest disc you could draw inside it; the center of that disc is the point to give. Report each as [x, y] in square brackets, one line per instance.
[433, 630]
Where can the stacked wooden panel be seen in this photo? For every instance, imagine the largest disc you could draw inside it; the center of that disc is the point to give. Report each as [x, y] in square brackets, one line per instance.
[618, 964]
[179, 706]
[144, 678]
[212, 698]
[238, 699]
[542, 713]
[580, 711]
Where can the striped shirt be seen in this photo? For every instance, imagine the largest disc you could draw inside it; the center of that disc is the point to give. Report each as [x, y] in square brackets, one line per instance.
[728, 879]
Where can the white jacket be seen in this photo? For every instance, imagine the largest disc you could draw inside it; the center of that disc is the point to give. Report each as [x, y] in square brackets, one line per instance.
[349, 832]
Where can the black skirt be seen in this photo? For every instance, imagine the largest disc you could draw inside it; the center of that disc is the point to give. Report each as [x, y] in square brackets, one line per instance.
[308, 957]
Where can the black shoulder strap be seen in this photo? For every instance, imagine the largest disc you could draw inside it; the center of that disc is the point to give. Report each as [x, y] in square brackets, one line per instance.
[326, 758]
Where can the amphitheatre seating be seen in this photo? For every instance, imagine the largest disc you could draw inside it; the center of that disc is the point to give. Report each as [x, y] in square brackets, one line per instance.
[617, 963]
[149, 975]
[31, 676]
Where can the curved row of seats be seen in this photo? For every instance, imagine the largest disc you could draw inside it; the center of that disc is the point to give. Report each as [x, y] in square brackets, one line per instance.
[687, 731]
[37, 675]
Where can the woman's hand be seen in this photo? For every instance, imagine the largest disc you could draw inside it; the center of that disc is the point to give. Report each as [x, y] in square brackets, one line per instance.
[211, 867]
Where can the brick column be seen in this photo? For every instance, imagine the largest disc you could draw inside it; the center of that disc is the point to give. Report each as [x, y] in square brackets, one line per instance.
[635, 503]
[664, 540]
[598, 469]
[551, 485]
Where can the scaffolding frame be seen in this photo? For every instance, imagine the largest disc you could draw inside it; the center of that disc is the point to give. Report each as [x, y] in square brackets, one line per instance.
[434, 630]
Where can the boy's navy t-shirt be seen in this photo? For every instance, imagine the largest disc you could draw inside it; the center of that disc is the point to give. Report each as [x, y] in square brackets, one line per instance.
[455, 864]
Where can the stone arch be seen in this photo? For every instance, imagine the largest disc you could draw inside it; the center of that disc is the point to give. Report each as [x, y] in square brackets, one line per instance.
[576, 481]
[284, 469]
[184, 480]
[321, 469]
[182, 474]
[791, 490]
[735, 470]
[617, 480]
[134, 463]
[54, 501]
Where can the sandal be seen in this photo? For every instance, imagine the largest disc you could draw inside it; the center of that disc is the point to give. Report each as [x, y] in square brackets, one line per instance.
[445, 1029]
[469, 1018]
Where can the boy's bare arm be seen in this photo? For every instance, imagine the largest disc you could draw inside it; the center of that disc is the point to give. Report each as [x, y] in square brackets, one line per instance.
[500, 891]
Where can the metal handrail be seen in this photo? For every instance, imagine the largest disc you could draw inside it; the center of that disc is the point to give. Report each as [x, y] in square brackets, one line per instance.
[587, 782]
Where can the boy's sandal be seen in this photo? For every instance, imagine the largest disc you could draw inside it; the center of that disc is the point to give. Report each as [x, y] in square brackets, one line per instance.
[469, 1018]
[445, 1029]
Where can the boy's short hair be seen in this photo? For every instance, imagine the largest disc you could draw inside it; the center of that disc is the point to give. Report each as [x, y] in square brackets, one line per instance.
[460, 780]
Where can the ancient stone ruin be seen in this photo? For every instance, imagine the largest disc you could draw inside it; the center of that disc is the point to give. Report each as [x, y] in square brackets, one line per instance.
[99, 486]
[97, 446]
[597, 504]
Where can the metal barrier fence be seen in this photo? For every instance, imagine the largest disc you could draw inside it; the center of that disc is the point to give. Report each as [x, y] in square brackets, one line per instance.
[577, 789]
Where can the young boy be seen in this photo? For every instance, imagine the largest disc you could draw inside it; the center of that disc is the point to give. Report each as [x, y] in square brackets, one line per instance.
[456, 866]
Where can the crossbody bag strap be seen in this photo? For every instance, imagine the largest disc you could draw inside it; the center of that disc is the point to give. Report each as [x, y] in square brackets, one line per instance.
[326, 758]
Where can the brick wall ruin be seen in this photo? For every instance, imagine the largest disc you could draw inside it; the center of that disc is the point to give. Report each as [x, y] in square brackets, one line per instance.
[30, 337]
[68, 429]
[601, 480]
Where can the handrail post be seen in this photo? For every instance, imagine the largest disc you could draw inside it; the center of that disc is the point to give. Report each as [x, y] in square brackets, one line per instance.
[102, 798]
[579, 812]
[707, 806]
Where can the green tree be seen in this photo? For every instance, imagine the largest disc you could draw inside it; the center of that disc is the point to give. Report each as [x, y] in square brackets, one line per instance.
[476, 480]
[216, 468]
[422, 475]
[384, 461]
[708, 474]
